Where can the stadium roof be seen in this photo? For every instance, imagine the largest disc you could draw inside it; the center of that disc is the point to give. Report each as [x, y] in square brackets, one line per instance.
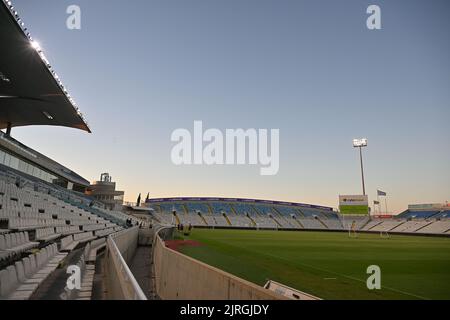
[31, 92]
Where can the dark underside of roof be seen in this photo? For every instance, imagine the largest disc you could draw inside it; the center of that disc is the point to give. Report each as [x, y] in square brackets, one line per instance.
[29, 94]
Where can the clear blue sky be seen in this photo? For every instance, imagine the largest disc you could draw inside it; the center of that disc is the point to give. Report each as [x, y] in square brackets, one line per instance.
[139, 69]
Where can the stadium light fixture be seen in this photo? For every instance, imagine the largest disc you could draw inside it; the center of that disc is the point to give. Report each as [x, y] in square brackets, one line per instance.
[360, 143]
[48, 115]
[35, 45]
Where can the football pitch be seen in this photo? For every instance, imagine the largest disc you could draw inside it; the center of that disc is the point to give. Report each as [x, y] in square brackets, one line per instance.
[330, 265]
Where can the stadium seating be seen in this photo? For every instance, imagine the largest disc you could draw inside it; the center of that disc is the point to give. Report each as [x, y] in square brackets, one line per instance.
[104, 232]
[360, 221]
[53, 217]
[240, 221]
[411, 226]
[84, 237]
[425, 214]
[247, 214]
[68, 230]
[87, 278]
[20, 280]
[219, 208]
[332, 223]
[194, 207]
[46, 234]
[16, 242]
[370, 224]
[312, 223]
[68, 244]
[444, 214]
[387, 225]
[93, 247]
[442, 226]
[244, 214]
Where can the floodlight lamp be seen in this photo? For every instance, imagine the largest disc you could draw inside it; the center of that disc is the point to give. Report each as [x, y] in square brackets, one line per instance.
[48, 115]
[35, 45]
[360, 142]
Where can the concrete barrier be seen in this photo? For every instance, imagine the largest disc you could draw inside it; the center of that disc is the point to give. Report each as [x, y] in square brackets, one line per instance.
[146, 237]
[120, 282]
[178, 276]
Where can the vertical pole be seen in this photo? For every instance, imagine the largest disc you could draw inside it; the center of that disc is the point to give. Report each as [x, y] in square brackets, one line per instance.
[362, 170]
[8, 129]
[378, 199]
[385, 204]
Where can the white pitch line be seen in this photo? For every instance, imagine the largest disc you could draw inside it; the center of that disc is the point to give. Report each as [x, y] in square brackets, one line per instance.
[345, 276]
[332, 272]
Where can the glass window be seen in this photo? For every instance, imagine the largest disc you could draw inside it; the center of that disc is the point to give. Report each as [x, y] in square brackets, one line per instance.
[14, 163]
[38, 173]
[52, 178]
[2, 156]
[35, 171]
[23, 166]
[30, 169]
[7, 159]
[45, 176]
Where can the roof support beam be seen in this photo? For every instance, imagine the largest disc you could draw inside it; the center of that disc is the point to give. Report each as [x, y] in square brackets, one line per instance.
[8, 129]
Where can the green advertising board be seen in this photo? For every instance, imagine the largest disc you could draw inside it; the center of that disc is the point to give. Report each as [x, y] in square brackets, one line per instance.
[354, 209]
[354, 204]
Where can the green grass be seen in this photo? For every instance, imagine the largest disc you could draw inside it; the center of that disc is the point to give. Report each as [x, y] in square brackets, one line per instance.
[331, 265]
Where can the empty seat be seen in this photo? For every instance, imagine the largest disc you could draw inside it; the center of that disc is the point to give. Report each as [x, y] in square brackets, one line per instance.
[12, 288]
[68, 244]
[46, 234]
[93, 248]
[87, 278]
[16, 242]
[84, 237]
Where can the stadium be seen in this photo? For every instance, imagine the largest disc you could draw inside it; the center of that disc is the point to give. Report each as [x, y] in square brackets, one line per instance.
[59, 240]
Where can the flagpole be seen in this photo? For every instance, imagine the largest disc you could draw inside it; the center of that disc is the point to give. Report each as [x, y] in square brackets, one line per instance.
[378, 200]
[385, 204]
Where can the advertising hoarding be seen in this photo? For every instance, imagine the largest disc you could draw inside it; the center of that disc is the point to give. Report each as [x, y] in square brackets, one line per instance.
[354, 204]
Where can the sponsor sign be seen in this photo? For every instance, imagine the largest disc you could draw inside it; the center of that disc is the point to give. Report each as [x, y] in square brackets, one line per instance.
[354, 204]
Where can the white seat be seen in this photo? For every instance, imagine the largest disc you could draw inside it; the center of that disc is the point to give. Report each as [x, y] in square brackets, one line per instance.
[2, 242]
[22, 276]
[67, 244]
[11, 288]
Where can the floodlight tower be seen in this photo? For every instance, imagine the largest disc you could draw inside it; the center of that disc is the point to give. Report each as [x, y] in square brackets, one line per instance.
[360, 143]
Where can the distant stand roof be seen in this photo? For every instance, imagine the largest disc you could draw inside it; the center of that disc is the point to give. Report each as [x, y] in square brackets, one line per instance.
[31, 92]
[242, 200]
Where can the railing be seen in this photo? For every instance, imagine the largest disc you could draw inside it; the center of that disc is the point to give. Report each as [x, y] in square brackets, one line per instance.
[121, 284]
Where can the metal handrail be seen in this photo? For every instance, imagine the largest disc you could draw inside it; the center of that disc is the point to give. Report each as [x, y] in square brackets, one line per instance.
[125, 271]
